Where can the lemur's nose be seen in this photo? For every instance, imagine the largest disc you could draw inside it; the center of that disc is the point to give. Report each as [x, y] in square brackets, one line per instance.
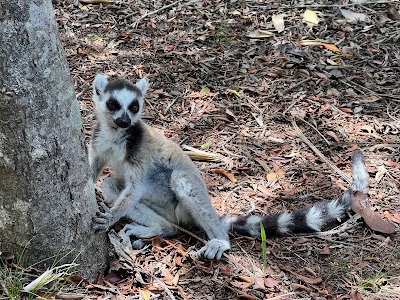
[124, 121]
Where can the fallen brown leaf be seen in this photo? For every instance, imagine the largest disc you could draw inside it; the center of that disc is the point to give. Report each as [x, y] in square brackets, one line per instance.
[270, 282]
[246, 278]
[264, 190]
[230, 176]
[259, 34]
[68, 296]
[304, 278]
[297, 286]
[271, 176]
[241, 284]
[386, 242]
[145, 294]
[331, 47]
[392, 164]
[391, 217]
[356, 295]
[259, 284]
[381, 172]
[374, 220]
[325, 251]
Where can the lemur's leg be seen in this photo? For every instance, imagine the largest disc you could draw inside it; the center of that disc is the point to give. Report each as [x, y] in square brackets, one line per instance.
[147, 223]
[193, 196]
[112, 188]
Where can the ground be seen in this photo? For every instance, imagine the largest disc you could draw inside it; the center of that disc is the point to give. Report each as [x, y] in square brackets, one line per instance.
[229, 78]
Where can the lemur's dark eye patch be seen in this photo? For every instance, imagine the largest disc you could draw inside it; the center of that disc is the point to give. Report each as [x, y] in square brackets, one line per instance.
[113, 105]
[134, 107]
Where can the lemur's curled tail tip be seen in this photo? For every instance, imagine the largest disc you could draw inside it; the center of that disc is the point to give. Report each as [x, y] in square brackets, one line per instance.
[359, 173]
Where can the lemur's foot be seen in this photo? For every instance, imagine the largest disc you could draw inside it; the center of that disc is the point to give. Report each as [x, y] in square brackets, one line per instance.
[102, 220]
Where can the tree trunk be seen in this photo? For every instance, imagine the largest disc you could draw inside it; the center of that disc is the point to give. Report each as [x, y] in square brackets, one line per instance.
[46, 200]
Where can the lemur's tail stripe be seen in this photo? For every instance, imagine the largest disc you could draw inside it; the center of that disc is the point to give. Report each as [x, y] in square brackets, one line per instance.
[307, 220]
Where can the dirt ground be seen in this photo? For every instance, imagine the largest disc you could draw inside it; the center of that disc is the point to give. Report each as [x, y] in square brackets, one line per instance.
[229, 78]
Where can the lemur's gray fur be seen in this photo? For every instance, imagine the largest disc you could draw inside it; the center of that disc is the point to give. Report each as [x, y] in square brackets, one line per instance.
[155, 183]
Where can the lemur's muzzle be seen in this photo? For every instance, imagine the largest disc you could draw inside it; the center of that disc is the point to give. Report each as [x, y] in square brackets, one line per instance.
[124, 121]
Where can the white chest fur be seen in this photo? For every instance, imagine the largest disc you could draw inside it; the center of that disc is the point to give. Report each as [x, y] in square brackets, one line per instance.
[112, 144]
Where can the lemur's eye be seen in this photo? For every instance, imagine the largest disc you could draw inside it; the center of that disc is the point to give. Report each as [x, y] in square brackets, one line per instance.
[134, 108]
[113, 104]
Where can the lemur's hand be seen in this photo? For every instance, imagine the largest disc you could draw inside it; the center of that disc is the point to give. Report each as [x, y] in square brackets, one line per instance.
[214, 249]
[102, 220]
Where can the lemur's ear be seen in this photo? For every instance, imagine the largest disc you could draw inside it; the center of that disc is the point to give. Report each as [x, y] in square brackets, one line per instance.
[99, 84]
[143, 85]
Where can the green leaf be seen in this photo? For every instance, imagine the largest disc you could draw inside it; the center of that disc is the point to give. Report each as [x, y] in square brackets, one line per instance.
[236, 93]
[206, 146]
[205, 90]
[263, 245]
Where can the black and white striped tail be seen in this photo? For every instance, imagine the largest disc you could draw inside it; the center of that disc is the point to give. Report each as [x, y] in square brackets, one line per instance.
[307, 220]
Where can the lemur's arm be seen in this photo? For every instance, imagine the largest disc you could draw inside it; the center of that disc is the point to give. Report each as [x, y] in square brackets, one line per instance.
[193, 197]
[97, 166]
[126, 201]
[96, 162]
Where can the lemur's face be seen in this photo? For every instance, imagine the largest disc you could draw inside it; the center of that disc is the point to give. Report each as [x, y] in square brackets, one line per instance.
[118, 101]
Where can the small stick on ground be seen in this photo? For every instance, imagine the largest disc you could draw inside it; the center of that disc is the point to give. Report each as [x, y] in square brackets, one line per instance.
[337, 5]
[189, 233]
[154, 12]
[296, 85]
[96, 1]
[315, 128]
[316, 151]
[160, 282]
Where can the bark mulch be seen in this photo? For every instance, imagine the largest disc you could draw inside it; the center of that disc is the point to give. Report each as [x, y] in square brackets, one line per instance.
[230, 78]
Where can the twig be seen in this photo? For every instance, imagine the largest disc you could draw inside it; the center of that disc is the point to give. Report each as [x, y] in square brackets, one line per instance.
[189, 233]
[160, 282]
[96, 1]
[295, 100]
[230, 258]
[352, 84]
[169, 105]
[350, 245]
[316, 151]
[315, 128]
[388, 146]
[337, 5]
[196, 154]
[296, 85]
[122, 251]
[344, 227]
[154, 12]
[114, 291]
[87, 88]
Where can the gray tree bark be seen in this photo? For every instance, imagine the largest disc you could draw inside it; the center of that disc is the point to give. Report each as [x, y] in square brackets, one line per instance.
[46, 199]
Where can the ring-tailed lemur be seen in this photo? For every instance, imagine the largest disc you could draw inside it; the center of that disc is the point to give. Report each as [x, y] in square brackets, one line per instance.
[155, 183]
